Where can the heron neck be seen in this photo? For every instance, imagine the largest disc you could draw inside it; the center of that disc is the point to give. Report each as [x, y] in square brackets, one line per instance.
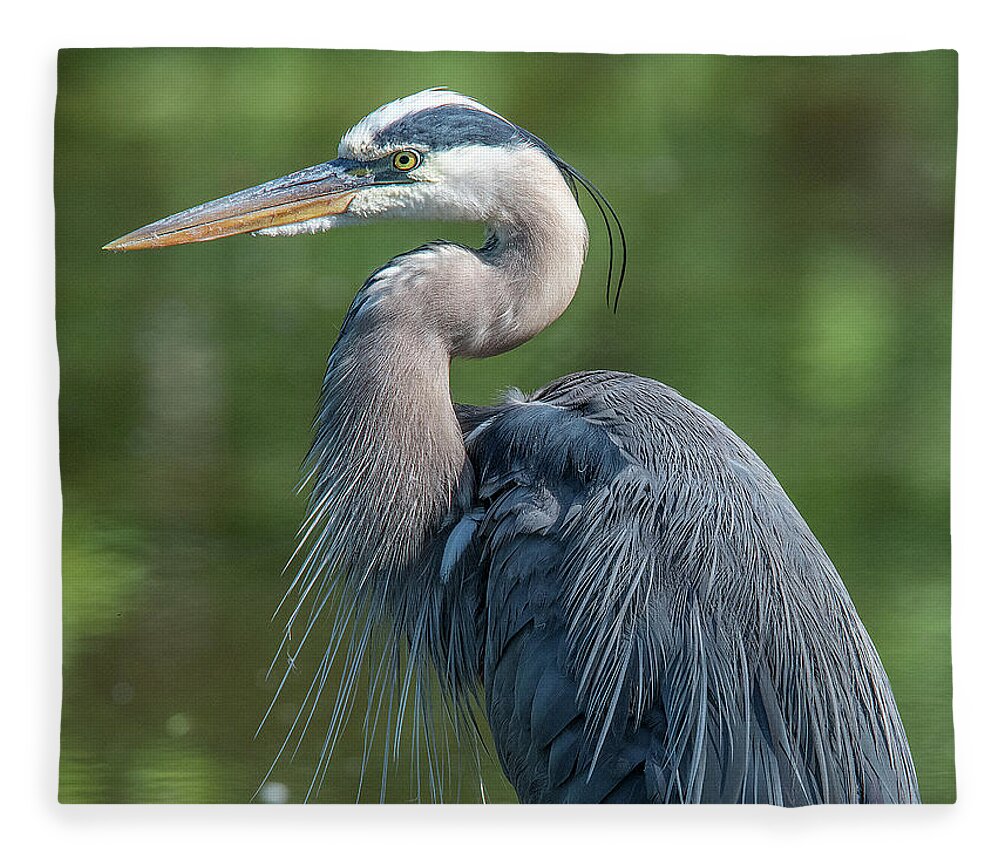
[482, 302]
[527, 271]
[389, 452]
[527, 275]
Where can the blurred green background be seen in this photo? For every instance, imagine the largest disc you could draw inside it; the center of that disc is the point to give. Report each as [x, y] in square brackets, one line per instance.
[790, 238]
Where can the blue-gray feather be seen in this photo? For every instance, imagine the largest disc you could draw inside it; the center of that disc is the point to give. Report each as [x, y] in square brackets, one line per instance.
[662, 625]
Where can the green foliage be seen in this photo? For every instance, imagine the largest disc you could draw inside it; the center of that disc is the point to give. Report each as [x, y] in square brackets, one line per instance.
[790, 235]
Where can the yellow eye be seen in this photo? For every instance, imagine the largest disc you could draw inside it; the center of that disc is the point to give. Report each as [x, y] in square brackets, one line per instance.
[405, 159]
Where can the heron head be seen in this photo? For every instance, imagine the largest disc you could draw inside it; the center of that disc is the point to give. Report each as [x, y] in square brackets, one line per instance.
[435, 155]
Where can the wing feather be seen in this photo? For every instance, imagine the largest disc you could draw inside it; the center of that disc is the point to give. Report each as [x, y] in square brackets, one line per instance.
[662, 626]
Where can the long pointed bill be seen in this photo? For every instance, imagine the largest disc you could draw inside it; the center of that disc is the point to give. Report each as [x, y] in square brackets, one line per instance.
[315, 192]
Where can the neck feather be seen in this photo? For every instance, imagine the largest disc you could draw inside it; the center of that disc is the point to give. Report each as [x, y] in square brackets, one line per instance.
[388, 450]
[527, 272]
[389, 455]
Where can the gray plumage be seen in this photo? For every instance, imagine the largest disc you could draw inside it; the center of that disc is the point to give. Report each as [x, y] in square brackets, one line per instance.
[670, 627]
[605, 568]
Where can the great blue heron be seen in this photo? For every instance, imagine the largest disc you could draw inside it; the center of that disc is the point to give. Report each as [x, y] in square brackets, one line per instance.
[616, 575]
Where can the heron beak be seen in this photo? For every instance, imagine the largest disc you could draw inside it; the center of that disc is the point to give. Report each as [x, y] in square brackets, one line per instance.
[323, 190]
